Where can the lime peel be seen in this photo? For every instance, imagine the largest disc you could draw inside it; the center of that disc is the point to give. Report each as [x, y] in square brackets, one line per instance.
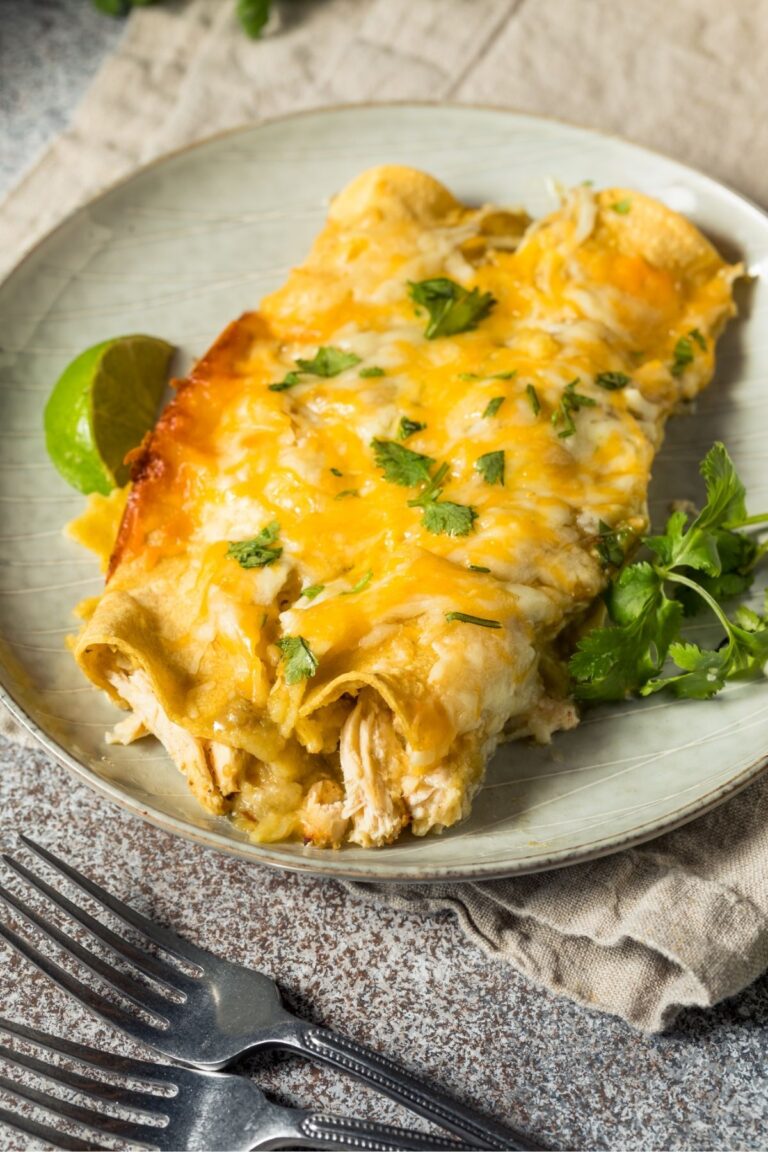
[101, 407]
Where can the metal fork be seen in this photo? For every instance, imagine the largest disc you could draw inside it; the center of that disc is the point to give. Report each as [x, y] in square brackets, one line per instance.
[206, 1110]
[221, 1010]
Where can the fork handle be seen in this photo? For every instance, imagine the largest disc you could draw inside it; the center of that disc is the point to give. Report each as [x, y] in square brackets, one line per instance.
[393, 1080]
[322, 1130]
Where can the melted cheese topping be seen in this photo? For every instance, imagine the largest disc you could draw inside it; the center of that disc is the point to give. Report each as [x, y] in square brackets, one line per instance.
[585, 291]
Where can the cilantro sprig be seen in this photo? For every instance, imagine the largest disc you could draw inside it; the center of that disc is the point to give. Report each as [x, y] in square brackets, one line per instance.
[452, 309]
[697, 562]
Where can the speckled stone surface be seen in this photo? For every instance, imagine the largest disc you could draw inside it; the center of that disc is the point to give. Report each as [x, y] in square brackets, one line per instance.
[409, 985]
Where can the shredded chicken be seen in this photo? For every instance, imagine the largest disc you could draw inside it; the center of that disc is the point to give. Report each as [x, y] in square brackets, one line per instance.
[128, 730]
[322, 817]
[187, 751]
[438, 799]
[370, 763]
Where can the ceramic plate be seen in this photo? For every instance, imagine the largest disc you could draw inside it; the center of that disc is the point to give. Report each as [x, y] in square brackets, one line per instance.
[198, 237]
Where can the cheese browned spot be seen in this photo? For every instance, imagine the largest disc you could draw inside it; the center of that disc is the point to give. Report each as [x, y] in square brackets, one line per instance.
[393, 727]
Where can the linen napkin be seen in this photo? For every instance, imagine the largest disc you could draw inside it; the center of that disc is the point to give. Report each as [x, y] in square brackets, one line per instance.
[683, 920]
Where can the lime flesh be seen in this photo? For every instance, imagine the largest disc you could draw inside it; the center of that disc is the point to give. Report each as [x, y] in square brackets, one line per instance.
[101, 407]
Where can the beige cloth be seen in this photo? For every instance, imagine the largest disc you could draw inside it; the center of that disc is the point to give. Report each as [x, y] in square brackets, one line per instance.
[684, 920]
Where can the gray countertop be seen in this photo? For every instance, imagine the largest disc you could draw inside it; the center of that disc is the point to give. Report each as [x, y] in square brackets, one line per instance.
[409, 985]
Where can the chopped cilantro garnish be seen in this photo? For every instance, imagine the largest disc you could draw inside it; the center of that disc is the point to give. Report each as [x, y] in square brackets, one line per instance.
[299, 662]
[290, 380]
[697, 562]
[452, 309]
[312, 590]
[328, 362]
[401, 465]
[258, 552]
[363, 582]
[370, 373]
[533, 396]
[465, 618]
[571, 401]
[684, 353]
[494, 376]
[443, 518]
[408, 427]
[410, 469]
[622, 207]
[612, 381]
[491, 467]
[336, 472]
[347, 492]
[477, 568]
[493, 405]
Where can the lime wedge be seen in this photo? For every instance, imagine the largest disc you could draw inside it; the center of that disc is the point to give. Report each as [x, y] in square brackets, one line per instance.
[101, 407]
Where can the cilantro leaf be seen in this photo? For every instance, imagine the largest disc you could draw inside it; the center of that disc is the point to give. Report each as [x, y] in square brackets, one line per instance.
[408, 427]
[312, 590]
[494, 376]
[371, 373]
[328, 362]
[336, 472]
[401, 465]
[683, 352]
[299, 662]
[571, 401]
[696, 545]
[290, 380]
[491, 467]
[493, 406]
[253, 16]
[363, 582]
[465, 618]
[612, 381]
[258, 552]
[478, 568]
[443, 518]
[705, 671]
[622, 207]
[726, 495]
[610, 663]
[533, 397]
[452, 309]
[346, 493]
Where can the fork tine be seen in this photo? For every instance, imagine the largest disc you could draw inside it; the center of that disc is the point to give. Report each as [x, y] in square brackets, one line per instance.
[45, 1134]
[169, 941]
[97, 1122]
[96, 1089]
[150, 965]
[91, 1000]
[91, 1057]
[139, 994]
